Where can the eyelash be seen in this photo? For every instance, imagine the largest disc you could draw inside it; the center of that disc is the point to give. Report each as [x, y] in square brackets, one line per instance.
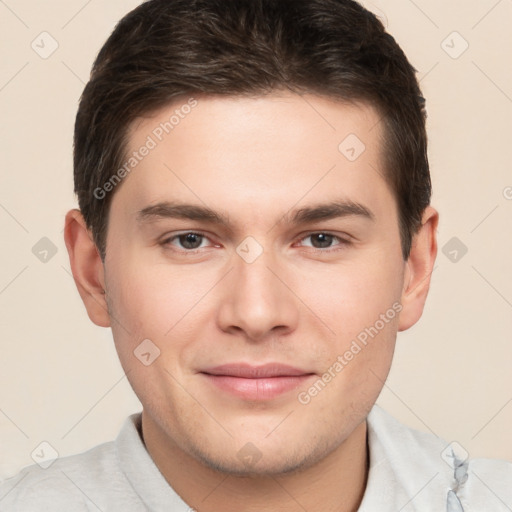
[342, 242]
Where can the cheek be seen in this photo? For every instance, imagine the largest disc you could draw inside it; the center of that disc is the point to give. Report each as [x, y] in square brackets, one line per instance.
[156, 303]
[359, 301]
[152, 299]
[362, 308]
[351, 297]
[169, 306]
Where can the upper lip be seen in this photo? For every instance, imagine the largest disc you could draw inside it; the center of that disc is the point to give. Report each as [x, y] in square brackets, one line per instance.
[248, 371]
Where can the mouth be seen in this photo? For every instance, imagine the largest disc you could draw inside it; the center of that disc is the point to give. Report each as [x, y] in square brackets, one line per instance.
[257, 383]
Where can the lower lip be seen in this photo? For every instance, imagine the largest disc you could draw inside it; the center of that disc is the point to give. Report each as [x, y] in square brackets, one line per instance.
[257, 389]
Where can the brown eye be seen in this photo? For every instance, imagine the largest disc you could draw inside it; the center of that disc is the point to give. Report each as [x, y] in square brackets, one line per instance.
[186, 242]
[190, 240]
[324, 242]
[321, 240]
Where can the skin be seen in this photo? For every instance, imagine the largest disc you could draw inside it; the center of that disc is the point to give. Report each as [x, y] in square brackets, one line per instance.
[256, 161]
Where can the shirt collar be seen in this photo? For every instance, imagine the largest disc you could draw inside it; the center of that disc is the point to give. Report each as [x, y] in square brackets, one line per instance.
[142, 473]
[407, 472]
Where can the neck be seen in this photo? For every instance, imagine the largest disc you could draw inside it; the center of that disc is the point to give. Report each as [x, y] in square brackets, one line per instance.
[336, 483]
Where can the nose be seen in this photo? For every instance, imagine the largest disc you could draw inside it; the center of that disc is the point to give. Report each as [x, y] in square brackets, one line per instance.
[256, 301]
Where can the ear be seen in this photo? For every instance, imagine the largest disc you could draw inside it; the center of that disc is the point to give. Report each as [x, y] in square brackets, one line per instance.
[87, 267]
[418, 270]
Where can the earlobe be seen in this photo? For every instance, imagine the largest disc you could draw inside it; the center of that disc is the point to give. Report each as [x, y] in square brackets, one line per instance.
[87, 267]
[419, 267]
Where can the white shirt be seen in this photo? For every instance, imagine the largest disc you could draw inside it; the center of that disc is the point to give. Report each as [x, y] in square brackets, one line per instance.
[409, 471]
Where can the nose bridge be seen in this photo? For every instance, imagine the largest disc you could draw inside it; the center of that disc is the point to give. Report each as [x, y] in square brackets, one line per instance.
[255, 300]
[254, 280]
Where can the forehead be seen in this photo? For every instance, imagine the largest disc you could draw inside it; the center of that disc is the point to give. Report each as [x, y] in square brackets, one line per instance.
[289, 113]
[256, 154]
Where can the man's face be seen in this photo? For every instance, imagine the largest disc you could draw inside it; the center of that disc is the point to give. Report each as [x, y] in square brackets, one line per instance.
[270, 285]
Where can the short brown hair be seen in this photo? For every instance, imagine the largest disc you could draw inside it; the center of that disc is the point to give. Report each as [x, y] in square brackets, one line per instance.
[165, 49]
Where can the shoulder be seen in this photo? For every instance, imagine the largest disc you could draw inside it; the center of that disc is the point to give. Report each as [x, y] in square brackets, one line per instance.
[35, 485]
[488, 485]
[87, 481]
[443, 470]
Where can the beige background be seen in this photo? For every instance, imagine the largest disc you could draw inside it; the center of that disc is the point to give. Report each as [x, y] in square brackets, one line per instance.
[60, 380]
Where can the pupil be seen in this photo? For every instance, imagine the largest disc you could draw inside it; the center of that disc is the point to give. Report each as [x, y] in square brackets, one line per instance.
[323, 239]
[190, 240]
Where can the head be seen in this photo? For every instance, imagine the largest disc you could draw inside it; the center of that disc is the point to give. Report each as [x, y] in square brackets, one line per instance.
[287, 138]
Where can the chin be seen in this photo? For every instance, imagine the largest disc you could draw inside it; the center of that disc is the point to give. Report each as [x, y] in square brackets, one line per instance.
[251, 461]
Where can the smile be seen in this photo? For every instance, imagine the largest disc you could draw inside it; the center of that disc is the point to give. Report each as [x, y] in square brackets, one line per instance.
[256, 382]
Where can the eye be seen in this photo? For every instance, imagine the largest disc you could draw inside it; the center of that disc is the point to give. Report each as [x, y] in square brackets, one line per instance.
[192, 241]
[323, 240]
[188, 241]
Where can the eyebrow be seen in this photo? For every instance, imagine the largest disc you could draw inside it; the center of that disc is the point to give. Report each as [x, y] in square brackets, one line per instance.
[331, 210]
[305, 215]
[170, 210]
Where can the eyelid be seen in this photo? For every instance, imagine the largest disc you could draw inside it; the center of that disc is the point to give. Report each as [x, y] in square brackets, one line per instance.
[168, 238]
[343, 240]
